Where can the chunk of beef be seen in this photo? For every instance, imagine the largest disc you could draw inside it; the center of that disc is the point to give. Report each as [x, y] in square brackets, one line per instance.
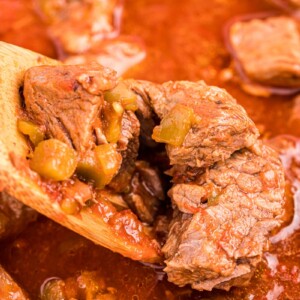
[146, 192]
[76, 25]
[9, 289]
[223, 219]
[120, 54]
[222, 126]
[268, 50]
[67, 100]
[14, 216]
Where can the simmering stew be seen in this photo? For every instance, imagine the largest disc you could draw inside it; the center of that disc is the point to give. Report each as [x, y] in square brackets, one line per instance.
[158, 41]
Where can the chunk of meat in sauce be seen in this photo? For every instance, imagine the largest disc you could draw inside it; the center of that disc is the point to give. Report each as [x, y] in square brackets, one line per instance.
[268, 50]
[71, 109]
[217, 239]
[9, 289]
[221, 126]
[76, 25]
[120, 54]
[146, 192]
[67, 101]
[89, 119]
[14, 216]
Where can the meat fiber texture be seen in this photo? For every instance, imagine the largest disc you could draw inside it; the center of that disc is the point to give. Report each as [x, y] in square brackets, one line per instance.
[228, 188]
[222, 125]
[268, 50]
[223, 219]
[67, 102]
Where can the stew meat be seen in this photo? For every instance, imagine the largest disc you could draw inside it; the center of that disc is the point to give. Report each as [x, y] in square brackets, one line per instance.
[221, 126]
[222, 237]
[77, 24]
[68, 101]
[228, 189]
[232, 193]
[268, 50]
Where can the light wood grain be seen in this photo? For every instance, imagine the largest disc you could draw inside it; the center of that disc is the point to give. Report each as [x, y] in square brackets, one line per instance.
[14, 61]
[9, 289]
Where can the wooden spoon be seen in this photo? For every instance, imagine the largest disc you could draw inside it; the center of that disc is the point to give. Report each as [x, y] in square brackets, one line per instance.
[15, 178]
[9, 289]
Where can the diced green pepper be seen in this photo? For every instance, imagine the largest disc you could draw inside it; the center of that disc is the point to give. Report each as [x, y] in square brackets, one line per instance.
[87, 168]
[69, 206]
[109, 160]
[53, 159]
[33, 131]
[123, 95]
[174, 126]
[112, 124]
[100, 165]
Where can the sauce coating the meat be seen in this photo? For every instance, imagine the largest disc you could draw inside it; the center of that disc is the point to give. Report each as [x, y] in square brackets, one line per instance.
[184, 41]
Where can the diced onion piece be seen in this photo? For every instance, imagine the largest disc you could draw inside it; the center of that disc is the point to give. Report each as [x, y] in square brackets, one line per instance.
[123, 95]
[112, 124]
[33, 131]
[109, 160]
[53, 159]
[53, 289]
[174, 126]
[69, 206]
[100, 165]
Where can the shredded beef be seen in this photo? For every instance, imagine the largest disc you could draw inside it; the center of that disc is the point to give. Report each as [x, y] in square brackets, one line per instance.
[67, 100]
[119, 54]
[76, 25]
[228, 187]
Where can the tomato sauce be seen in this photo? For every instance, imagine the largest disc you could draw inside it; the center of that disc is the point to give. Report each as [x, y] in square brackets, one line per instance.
[184, 41]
